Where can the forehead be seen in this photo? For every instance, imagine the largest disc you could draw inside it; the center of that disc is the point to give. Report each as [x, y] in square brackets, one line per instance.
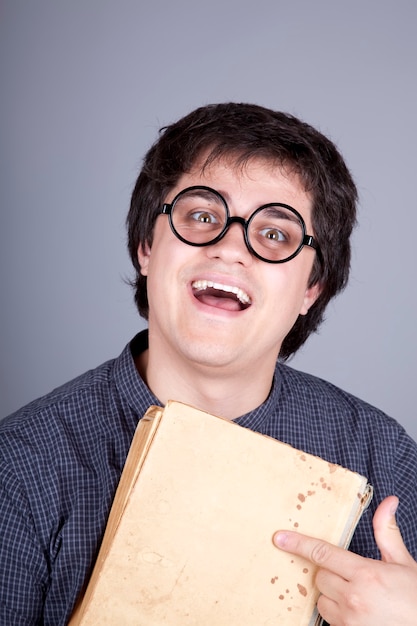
[238, 175]
[241, 164]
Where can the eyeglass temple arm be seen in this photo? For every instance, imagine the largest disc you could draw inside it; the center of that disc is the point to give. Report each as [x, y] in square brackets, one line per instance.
[310, 241]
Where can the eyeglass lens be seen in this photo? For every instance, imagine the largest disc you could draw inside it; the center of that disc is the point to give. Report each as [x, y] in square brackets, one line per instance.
[274, 232]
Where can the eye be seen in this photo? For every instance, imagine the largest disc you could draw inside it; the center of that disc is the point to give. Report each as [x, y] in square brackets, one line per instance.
[273, 234]
[204, 217]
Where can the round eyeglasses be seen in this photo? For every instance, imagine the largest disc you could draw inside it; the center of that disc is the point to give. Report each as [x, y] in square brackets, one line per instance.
[275, 232]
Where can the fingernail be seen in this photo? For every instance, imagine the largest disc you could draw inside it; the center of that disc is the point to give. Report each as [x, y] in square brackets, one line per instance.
[394, 508]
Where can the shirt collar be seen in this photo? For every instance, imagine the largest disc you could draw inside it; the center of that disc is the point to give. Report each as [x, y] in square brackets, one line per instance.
[127, 379]
[258, 418]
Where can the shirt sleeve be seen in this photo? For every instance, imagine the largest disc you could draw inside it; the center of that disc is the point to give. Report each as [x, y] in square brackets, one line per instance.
[23, 567]
[406, 490]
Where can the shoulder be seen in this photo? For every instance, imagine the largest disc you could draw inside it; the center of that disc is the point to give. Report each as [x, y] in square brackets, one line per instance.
[97, 409]
[325, 402]
[334, 424]
[64, 401]
[52, 443]
[113, 388]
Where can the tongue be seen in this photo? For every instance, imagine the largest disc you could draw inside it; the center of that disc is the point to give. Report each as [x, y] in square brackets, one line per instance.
[220, 300]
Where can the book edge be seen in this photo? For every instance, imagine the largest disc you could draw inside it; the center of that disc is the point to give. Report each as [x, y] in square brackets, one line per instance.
[139, 448]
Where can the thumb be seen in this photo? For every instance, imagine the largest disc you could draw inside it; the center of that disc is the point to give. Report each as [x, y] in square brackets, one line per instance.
[388, 535]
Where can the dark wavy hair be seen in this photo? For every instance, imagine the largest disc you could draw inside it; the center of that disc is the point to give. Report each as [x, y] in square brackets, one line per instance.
[244, 131]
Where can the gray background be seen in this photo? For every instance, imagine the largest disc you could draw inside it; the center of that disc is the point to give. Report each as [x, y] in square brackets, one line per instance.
[85, 85]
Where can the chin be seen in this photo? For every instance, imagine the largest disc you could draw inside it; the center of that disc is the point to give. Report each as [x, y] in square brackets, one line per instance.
[212, 354]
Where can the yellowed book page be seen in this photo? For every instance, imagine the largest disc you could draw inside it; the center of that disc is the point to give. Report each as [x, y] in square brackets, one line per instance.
[194, 545]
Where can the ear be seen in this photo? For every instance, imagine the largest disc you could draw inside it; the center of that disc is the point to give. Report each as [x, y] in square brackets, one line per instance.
[310, 296]
[144, 255]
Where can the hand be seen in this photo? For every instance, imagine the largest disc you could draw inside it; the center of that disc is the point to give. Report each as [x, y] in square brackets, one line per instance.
[357, 591]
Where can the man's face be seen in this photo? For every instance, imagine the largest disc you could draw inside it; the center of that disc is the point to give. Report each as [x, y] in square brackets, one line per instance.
[218, 306]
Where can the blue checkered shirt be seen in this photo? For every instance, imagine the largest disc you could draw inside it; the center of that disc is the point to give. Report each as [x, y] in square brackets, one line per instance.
[62, 455]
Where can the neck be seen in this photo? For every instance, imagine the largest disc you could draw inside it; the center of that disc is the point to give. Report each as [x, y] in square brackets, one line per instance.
[226, 392]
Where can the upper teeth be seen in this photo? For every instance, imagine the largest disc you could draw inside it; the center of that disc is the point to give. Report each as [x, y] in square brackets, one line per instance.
[239, 293]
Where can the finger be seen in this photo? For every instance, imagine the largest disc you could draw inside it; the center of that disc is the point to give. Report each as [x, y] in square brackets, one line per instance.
[388, 535]
[321, 553]
[329, 610]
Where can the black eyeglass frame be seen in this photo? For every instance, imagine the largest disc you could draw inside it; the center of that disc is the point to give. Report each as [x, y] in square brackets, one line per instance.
[306, 240]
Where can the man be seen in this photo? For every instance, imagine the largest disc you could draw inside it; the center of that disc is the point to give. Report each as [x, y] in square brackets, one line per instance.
[239, 231]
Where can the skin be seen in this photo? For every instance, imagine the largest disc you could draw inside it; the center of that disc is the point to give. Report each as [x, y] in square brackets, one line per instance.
[218, 358]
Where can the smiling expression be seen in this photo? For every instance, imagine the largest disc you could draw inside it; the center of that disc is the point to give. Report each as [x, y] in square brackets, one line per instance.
[219, 306]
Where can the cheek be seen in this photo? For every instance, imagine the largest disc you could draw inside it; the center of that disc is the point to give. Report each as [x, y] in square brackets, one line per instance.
[152, 257]
[167, 259]
[288, 289]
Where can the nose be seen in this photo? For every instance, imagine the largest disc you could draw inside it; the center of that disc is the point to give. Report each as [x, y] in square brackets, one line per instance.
[232, 246]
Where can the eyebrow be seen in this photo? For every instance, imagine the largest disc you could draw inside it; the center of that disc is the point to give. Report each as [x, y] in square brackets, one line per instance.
[205, 194]
[281, 212]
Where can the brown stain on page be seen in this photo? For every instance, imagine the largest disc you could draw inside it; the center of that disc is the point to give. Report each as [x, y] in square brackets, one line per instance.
[302, 590]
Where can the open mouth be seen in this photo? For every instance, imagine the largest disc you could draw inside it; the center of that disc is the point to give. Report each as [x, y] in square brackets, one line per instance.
[221, 296]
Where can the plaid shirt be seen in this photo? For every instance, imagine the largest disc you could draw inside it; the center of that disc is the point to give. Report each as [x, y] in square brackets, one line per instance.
[62, 455]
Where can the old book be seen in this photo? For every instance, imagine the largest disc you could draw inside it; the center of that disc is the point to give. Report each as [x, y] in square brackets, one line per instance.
[189, 537]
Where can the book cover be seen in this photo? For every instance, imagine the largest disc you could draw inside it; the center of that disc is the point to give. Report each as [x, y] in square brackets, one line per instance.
[189, 537]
